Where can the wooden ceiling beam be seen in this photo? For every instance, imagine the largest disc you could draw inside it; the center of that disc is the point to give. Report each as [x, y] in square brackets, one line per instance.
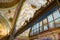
[38, 14]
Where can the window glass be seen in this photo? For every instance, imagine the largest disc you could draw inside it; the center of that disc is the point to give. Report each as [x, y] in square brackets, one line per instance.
[37, 30]
[32, 28]
[44, 21]
[50, 18]
[51, 24]
[41, 23]
[35, 26]
[38, 25]
[45, 27]
[40, 28]
[56, 14]
[57, 22]
[31, 33]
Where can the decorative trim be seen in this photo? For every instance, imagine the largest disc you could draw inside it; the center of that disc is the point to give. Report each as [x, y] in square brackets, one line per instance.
[58, 3]
[9, 4]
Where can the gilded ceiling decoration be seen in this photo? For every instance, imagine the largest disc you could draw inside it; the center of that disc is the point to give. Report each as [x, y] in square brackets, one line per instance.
[4, 26]
[28, 10]
[8, 3]
[9, 13]
[6, 17]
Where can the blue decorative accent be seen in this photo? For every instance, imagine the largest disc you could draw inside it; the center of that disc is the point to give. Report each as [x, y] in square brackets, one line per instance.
[44, 16]
[48, 13]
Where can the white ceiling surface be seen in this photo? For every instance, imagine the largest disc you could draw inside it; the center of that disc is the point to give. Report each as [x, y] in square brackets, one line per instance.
[27, 11]
[37, 3]
[4, 1]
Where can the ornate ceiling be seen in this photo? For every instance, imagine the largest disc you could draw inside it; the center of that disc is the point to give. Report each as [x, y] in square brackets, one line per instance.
[28, 11]
[8, 3]
[4, 26]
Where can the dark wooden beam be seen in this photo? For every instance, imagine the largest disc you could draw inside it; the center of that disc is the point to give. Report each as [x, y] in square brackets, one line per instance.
[58, 2]
[17, 12]
[38, 14]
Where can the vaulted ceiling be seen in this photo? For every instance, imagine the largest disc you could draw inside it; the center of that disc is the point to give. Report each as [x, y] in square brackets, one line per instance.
[21, 12]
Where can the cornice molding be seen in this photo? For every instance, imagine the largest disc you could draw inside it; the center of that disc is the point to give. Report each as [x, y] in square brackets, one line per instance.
[9, 4]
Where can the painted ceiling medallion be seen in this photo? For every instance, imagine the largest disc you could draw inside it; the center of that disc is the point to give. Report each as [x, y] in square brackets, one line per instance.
[8, 3]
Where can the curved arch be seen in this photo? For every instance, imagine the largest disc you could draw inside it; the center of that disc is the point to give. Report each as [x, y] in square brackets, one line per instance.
[5, 24]
[8, 4]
